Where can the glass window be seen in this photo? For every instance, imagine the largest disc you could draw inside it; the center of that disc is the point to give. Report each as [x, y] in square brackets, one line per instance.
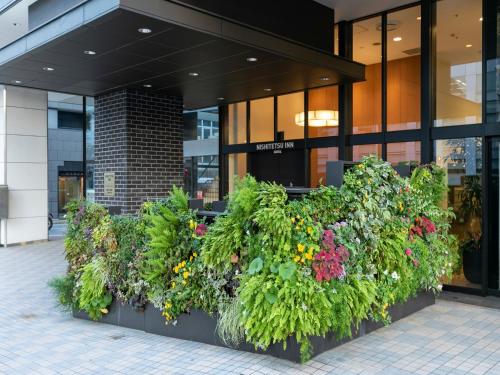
[201, 177]
[90, 193]
[493, 64]
[336, 40]
[367, 95]
[324, 112]
[463, 160]
[237, 123]
[403, 69]
[403, 152]
[262, 120]
[458, 62]
[237, 168]
[360, 151]
[291, 116]
[319, 157]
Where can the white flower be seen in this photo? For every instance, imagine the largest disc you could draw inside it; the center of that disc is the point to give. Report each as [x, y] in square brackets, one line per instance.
[304, 306]
[395, 275]
[386, 272]
[449, 264]
[358, 241]
[446, 252]
[440, 287]
[334, 291]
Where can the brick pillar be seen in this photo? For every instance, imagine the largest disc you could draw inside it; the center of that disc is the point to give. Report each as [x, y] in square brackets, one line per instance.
[139, 139]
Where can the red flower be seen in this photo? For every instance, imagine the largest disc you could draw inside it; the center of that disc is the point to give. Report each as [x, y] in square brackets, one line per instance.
[201, 230]
[408, 252]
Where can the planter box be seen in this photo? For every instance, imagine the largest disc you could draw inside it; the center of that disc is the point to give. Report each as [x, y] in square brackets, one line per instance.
[199, 326]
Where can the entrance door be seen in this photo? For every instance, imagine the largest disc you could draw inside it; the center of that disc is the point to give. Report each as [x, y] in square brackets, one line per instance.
[286, 168]
[70, 188]
[493, 215]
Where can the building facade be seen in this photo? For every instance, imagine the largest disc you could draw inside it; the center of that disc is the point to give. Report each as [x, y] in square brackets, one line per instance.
[408, 81]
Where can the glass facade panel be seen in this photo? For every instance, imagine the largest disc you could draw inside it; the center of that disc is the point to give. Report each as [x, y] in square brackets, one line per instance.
[494, 216]
[237, 123]
[359, 151]
[462, 158]
[458, 62]
[237, 168]
[403, 69]
[290, 113]
[403, 152]
[90, 159]
[262, 120]
[319, 157]
[324, 102]
[201, 177]
[493, 64]
[367, 95]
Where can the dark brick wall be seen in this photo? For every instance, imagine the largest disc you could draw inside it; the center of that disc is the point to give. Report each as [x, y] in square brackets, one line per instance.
[139, 137]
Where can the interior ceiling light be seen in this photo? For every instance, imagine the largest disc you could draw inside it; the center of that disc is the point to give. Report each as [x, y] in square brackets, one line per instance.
[48, 69]
[468, 45]
[324, 79]
[147, 85]
[397, 39]
[481, 19]
[419, 18]
[89, 52]
[220, 98]
[193, 74]
[252, 59]
[391, 25]
[17, 82]
[267, 90]
[318, 119]
[144, 30]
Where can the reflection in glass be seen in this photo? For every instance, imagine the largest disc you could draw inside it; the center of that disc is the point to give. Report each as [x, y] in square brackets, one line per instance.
[367, 95]
[458, 62]
[403, 69]
[360, 151]
[462, 158]
[319, 157]
[201, 177]
[262, 120]
[289, 109]
[403, 153]
[237, 123]
[494, 216]
[237, 168]
[89, 136]
[325, 98]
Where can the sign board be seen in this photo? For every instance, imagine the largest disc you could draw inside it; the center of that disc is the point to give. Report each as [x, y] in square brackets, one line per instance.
[109, 184]
[276, 147]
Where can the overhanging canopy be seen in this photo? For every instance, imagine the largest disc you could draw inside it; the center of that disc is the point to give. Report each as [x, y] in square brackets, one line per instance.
[183, 40]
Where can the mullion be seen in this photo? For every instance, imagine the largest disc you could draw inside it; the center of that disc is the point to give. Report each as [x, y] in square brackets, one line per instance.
[384, 84]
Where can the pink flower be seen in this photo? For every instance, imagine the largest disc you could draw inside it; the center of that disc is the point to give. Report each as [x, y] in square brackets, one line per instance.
[416, 263]
[408, 252]
[201, 230]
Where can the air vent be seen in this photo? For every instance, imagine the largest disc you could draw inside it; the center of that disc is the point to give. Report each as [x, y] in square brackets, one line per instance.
[391, 25]
[412, 51]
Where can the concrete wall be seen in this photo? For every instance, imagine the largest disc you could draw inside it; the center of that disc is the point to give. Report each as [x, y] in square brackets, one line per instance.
[23, 163]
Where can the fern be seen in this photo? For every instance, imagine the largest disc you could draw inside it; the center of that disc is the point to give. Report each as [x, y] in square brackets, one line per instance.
[94, 297]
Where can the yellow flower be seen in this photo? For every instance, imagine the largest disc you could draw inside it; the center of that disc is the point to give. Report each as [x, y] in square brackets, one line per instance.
[301, 221]
[308, 256]
[176, 269]
[311, 249]
[297, 227]
[192, 224]
[183, 264]
[300, 248]
[296, 258]
[302, 260]
[184, 282]
[185, 275]
[293, 220]
[173, 284]
[191, 258]
[401, 206]
[195, 255]
[309, 230]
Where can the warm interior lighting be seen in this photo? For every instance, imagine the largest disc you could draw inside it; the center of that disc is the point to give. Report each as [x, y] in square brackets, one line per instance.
[319, 118]
[397, 39]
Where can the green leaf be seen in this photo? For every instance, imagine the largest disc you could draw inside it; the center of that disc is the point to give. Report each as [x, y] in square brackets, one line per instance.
[255, 266]
[274, 268]
[270, 297]
[287, 270]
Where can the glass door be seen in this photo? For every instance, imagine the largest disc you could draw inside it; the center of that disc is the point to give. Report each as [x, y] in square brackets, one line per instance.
[493, 215]
[70, 188]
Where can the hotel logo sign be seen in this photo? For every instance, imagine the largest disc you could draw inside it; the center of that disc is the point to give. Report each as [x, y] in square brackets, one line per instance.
[109, 184]
[276, 147]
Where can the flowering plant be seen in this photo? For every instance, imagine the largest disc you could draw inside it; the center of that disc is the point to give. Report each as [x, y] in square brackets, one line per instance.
[329, 262]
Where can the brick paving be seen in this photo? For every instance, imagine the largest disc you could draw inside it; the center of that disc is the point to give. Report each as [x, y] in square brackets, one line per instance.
[36, 338]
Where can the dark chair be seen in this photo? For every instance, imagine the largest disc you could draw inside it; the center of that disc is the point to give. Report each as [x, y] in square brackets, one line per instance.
[196, 204]
[219, 206]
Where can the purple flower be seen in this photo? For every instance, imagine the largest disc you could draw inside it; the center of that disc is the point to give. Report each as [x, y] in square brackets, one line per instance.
[201, 230]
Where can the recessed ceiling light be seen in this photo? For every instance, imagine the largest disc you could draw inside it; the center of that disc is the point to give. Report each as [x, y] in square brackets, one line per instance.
[468, 45]
[48, 69]
[397, 39]
[419, 18]
[252, 59]
[144, 30]
[147, 85]
[89, 52]
[194, 74]
[481, 19]
[220, 98]
[324, 79]
[267, 90]
[16, 82]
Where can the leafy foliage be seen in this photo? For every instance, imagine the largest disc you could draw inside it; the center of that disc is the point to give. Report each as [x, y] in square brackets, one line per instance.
[94, 297]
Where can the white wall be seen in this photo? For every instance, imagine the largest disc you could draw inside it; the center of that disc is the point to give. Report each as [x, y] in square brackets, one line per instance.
[23, 163]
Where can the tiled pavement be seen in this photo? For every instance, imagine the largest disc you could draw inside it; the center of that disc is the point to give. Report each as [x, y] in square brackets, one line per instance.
[35, 338]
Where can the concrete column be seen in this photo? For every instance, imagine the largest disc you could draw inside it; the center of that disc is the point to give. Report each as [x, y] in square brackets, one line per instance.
[23, 163]
[138, 148]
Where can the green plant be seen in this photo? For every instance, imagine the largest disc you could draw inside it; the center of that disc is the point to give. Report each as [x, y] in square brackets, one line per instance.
[94, 297]
[229, 327]
[64, 287]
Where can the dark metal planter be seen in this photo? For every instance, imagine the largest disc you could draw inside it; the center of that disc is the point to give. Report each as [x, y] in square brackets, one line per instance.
[199, 326]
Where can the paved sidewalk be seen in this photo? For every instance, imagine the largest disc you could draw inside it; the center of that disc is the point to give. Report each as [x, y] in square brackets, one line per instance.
[35, 338]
